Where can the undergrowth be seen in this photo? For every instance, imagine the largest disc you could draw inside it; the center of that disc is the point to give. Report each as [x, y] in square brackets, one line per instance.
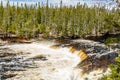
[115, 71]
[111, 40]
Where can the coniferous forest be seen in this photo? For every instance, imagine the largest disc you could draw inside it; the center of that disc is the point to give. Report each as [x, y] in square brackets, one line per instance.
[58, 21]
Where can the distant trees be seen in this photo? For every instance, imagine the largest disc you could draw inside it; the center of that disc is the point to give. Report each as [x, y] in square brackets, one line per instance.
[57, 22]
[118, 2]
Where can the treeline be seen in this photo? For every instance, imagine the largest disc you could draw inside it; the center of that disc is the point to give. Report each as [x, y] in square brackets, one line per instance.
[57, 22]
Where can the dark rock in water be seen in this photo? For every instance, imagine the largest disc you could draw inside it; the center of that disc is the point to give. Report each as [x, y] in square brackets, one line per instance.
[109, 55]
[116, 46]
[99, 49]
[6, 52]
[98, 61]
[5, 76]
[11, 61]
[100, 56]
[38, 57]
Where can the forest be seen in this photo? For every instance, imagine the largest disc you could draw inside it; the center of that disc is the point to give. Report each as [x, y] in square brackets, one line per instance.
[55, 42]
[58, 21]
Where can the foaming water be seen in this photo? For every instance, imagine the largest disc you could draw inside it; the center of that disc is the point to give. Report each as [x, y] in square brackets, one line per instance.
[59, 64]
[41, 62]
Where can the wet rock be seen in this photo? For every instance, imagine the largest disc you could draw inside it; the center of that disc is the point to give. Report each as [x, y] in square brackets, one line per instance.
[99, 55]
[115, 46]
[109, 55]
[11, 61]
[82, 54]
[72, 50]
[38, 57]
[2, 43]
[6, 52]
[98, 61]
[55, 46]
[10, 75]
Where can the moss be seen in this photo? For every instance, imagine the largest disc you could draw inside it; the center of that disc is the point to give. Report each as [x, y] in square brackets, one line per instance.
[112, 41]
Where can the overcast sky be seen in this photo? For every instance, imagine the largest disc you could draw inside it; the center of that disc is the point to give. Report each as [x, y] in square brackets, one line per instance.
[57, 2]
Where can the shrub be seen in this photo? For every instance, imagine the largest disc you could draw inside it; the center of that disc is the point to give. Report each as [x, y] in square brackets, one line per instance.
[111, 41]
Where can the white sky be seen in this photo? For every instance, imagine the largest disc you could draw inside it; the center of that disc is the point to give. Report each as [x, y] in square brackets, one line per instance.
[57, 2]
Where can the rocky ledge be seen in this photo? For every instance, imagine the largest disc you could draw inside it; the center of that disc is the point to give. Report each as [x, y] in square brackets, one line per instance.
[11, 62]
[99, 55]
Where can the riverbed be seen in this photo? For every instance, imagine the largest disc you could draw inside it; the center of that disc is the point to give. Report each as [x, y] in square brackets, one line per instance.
[39, 61]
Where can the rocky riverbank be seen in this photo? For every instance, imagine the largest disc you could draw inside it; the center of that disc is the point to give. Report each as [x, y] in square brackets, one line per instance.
[39, 61]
